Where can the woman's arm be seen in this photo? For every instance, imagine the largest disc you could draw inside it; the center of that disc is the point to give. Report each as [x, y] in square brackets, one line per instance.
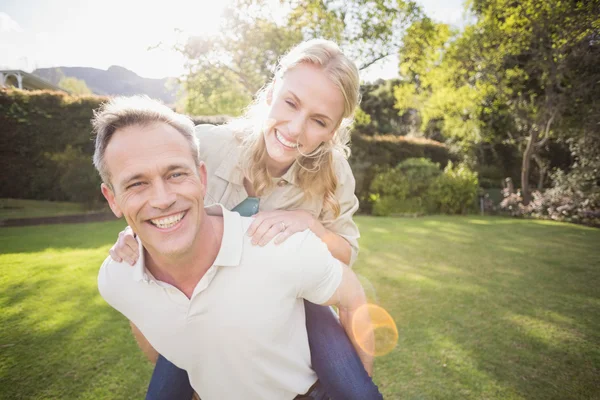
[337, 245]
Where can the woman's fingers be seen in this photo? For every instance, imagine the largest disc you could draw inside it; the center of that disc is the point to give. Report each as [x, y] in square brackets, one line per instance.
[282, 237]
[273, 231]
[126, 248]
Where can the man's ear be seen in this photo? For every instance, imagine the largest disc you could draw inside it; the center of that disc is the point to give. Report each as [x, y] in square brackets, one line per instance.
[202, 174]
[109, 195]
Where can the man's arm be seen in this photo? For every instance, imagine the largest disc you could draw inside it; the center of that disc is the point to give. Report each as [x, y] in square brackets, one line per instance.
[349, 298]
[144, 344]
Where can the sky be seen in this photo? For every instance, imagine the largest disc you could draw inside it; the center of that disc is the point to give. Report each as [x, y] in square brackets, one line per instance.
[90, 33]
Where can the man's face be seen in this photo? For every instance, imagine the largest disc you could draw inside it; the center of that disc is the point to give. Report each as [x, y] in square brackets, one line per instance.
[157, 186]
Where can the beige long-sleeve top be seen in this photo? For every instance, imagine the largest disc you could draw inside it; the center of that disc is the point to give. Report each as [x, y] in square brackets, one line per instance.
[220, 151]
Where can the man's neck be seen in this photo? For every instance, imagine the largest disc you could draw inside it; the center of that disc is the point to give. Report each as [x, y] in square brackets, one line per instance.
[186, 271]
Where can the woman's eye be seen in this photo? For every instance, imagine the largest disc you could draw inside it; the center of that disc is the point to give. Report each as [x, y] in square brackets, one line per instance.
[291, 104]
[318, 121]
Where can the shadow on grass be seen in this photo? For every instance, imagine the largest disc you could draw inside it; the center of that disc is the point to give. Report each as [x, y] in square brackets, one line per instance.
[492, 309]
[58, 338]
[65, 236]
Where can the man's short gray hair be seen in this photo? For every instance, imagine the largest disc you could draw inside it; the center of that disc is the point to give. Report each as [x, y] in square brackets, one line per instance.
[121, 112]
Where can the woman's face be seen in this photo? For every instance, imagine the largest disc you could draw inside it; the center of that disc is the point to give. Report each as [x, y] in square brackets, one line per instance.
[305, 110]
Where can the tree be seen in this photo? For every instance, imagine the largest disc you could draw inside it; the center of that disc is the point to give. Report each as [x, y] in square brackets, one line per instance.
[74, 86]
[226, 70]
[528, 49]
[523, 74]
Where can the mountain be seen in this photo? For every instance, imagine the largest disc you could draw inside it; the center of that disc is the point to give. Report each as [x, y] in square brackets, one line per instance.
[114, 81]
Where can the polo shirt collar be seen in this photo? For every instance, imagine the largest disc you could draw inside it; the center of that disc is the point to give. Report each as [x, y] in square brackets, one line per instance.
[230, 252]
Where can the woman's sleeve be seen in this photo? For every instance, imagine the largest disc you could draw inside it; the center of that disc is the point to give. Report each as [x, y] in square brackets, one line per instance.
[343, 225]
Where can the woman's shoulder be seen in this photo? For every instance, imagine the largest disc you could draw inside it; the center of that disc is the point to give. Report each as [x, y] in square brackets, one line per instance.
[341, 166]
[215, 138]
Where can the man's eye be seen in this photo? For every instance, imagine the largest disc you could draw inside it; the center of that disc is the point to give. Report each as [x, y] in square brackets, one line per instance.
[136, 184]
[177, 174]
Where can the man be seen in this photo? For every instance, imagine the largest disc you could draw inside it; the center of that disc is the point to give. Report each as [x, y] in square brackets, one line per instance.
[229, 313]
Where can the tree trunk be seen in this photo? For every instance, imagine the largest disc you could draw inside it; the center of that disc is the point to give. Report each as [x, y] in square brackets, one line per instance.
[529, 150]
[543, 168]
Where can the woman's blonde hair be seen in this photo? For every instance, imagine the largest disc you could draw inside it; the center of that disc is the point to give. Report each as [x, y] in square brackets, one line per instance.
[316, 173]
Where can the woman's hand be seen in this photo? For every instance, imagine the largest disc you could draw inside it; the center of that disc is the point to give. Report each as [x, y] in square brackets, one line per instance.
[126, 247]
[280, 223]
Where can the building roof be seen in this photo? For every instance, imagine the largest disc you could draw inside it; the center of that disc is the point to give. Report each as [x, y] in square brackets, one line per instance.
[29, 81]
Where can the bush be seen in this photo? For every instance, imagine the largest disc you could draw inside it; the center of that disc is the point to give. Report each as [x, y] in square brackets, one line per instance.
[404, 188]
[37, 127]
[565, 201]
[574, 195]
[418, 186]
[374, 154]
[78, 179]
[455, 191]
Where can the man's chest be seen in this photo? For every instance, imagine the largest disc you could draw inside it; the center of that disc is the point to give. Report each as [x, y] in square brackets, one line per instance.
[231, 313]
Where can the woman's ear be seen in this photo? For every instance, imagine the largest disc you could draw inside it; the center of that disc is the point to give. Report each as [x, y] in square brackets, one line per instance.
[270, 93]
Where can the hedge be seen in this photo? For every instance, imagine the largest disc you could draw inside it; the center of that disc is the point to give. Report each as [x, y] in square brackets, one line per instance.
[371, 154]
[37, 128]
[46, 148]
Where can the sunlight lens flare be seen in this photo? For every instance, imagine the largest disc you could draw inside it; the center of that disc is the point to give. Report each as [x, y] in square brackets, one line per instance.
[381, 327]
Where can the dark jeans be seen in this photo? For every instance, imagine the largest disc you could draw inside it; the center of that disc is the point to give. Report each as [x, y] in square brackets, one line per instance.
[337, 365]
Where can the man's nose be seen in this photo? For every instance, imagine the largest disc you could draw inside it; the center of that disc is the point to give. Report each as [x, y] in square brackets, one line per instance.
[162, 196]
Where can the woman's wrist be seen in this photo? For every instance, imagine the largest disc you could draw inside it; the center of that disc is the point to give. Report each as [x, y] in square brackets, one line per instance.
[317, 227]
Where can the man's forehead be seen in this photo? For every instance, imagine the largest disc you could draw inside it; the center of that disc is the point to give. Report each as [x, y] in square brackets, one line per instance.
[136, 149]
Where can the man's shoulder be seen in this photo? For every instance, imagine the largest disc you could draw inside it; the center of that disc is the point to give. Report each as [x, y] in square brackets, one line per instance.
[301, 246]
[114, 277]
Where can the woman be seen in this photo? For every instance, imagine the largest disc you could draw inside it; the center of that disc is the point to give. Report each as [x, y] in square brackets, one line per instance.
[287, 157]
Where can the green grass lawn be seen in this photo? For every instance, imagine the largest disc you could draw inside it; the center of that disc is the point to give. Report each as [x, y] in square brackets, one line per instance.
[18, 208]
[486, 308]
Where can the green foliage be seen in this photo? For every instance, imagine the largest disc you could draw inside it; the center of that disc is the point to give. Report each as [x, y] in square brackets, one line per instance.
[371, 154]
[404, 188]
[455, 191]
[78, 179]
[225, 70]
[418, 186]
[378, 102]
[47, 145]
[74, 86]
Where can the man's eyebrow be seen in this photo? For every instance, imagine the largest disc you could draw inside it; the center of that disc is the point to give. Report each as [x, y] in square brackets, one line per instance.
[168, 169]
[299, 102]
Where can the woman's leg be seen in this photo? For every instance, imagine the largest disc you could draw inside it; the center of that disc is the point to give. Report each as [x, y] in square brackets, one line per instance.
[334, 359]
[169, 382]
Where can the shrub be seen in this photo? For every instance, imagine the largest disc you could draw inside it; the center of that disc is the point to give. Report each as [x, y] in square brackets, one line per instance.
[37, 127]
[404, 188]
[373, 154]
[418, 186]
[565, 201]
[454, 191]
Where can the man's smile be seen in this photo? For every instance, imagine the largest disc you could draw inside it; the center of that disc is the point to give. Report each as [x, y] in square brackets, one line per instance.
[169, 221]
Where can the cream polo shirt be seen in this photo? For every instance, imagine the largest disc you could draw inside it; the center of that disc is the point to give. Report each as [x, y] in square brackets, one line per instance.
[242, 335]
[219, 149]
